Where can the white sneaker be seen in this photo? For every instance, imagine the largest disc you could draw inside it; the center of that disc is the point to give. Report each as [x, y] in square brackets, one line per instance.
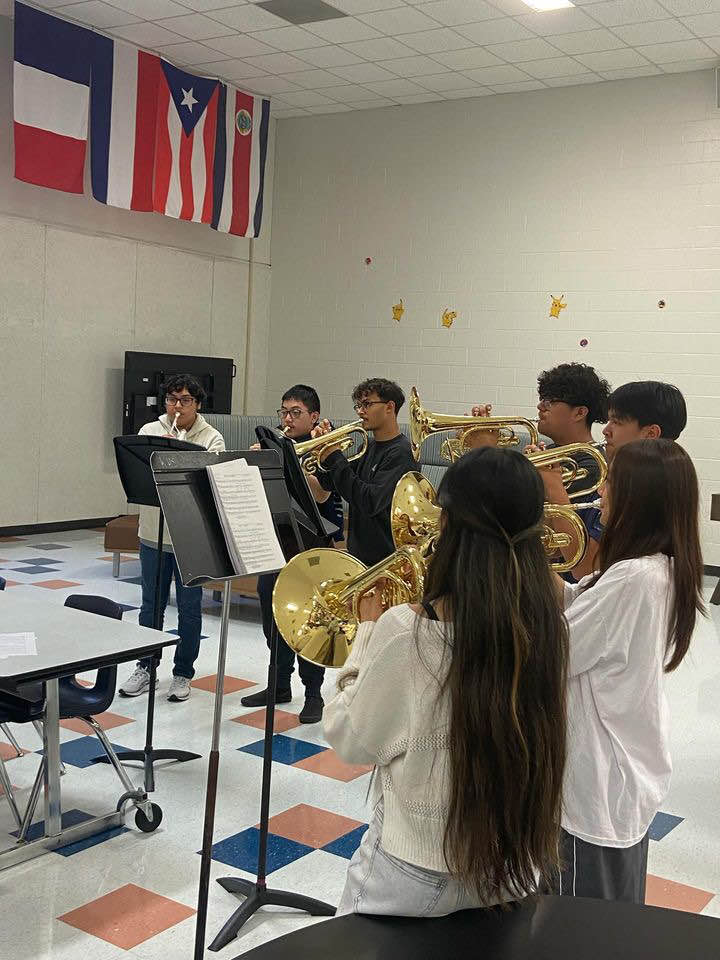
[137, 683]
[179, 689]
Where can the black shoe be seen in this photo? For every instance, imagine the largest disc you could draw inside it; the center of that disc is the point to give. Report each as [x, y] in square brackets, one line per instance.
[260, 698]
[312, 711]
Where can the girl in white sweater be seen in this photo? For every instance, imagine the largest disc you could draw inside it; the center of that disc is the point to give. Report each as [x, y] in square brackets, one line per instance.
[460, 705]
[629, 623]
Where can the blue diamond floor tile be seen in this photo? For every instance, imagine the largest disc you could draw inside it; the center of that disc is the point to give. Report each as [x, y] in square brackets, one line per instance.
[663, 824]
[52, 546]
[126, 606]
[72, 848]
[33, 561]
[285, 749]
[176, 633]
[31, 570]
[69, 819]
[83, 751]
[137, 580]
[347, 845]
[241, 851]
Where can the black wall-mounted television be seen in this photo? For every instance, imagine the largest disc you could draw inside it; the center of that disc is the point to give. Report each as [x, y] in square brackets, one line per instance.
[146, 372]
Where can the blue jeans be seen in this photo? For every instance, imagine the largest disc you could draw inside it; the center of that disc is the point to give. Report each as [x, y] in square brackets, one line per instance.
[189, 604]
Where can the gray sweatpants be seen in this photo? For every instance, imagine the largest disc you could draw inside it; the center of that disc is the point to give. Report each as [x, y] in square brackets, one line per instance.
[603, 873]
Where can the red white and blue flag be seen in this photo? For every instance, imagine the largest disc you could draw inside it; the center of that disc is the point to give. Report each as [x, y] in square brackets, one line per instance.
[51, 81]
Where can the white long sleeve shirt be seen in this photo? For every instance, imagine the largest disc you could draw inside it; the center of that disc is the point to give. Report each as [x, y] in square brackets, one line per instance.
[618, 766]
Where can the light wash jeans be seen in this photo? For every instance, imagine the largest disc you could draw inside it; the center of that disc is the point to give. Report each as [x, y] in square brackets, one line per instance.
[379, 883]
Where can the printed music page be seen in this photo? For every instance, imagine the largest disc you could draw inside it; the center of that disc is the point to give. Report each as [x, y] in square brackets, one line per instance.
[245, 517]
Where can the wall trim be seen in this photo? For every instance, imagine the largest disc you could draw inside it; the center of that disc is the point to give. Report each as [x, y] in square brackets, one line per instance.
[30, 528]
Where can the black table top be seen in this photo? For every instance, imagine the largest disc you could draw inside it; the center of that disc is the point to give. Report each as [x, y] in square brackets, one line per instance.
[547, 928]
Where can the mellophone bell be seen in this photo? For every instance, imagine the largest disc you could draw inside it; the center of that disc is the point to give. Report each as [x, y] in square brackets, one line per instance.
[316, 596]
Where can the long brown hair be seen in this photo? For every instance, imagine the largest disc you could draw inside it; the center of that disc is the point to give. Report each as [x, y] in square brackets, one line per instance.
[507, 675]
[654, 509]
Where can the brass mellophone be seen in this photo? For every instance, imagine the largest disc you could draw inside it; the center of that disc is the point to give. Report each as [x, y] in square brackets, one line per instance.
[310, 451]
[317, 594]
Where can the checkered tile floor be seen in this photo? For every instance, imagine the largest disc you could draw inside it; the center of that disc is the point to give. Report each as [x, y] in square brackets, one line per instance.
[129, 894]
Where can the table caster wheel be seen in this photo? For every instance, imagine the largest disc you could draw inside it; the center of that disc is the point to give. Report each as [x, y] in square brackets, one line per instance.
[148, 825]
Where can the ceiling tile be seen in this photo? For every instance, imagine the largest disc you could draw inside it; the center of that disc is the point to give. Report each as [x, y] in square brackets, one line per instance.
[493, 75]
[329, 108]
[388, 88]
[382, 48]
[354, 7]
[685, 66]
[248, 17]
[612, 60]
[467, 59]
[657, 31]
[234, 70]
[349, 93]
[205, 5]
[468, 92]
[453, 12]
[689, 8]
[151, 9]
[195, 26]
[190, 53]
[315, 79]
[373, 104]
[346, 30]
[277, 62]
[306, 98]
[435, 41]
[520, 87]
[631, 72]
[289, 38]
[572, 81]
[704, 25]
[286, 112]
[398, 20]
[557, 67]
[518, 50]
[240, 46]
[328, 57]
[363, 73]
[555, 22]
[495, 31]
[671, 52]
[413, 66]
[512, 8]
[427, 97]
[268, 86]
[442, 82]
[587, 41]
[99, 14]
[146, 34]
[616, 12]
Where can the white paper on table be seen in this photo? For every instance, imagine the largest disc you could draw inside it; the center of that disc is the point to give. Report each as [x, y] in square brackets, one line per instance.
[17, 645]
[245, 517]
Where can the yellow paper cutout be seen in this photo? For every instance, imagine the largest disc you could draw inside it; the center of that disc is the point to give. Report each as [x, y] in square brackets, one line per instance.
[448, 317]
[398, 310]
[557, 305]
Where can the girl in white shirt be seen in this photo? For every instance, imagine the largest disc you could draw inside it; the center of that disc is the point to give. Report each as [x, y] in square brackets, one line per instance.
[460, 705]
[629, 623]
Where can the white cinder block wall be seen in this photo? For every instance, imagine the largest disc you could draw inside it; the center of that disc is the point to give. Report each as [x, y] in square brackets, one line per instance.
[607, 193]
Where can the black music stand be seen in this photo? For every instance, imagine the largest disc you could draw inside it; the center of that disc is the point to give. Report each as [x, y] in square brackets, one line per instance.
[201, 553]
[133, 460]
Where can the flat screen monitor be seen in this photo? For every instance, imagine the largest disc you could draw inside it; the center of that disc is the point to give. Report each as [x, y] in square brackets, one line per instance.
[146, 372]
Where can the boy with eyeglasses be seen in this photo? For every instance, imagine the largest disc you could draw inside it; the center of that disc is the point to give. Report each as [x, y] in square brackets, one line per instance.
[368, 484]
[298, 414]
[183, 396]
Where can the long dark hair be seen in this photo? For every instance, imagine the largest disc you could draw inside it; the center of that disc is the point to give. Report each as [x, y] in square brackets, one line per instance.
[654, 509]
[507, 674]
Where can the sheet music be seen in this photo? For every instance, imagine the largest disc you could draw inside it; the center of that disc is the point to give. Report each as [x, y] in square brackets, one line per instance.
[245, 517]
[17, 645]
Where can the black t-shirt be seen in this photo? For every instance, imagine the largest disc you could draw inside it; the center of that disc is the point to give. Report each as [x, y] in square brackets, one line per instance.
[368, 485]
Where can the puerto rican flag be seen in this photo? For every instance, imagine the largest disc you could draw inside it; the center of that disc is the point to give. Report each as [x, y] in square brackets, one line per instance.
[240, 156]
[51, 81]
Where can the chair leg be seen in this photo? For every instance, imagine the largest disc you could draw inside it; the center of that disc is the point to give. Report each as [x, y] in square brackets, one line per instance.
[7, 788]
[116, 564]
[8, 734]
[112, 757]
[32, 803]
[39, 730]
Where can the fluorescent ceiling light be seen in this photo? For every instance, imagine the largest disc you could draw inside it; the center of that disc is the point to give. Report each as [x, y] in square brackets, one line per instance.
[548, 4]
